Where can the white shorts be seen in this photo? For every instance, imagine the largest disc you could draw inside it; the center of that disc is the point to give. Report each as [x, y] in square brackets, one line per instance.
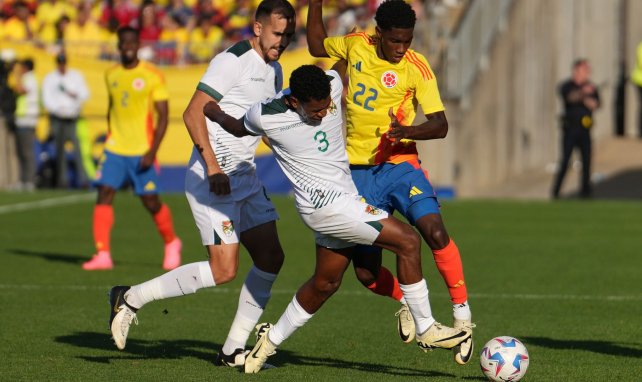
[222, 218]
[345, 223]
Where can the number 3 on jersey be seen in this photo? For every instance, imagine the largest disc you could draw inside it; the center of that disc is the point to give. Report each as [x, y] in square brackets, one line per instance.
[372, 95]
[323, 143]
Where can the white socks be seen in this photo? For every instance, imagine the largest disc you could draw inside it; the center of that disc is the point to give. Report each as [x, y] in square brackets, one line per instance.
[416, 296]
[293, 318]
[462, 311]
[186, 279]
[255, 294]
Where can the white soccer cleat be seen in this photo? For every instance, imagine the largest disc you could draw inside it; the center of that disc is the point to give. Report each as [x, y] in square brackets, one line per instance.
[464, 351]
[443, 337]
[121, 315]
[405, 324]
[255, 361]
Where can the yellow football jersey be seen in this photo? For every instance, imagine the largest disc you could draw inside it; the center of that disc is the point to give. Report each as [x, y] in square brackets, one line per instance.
[132, 93]
[375, 86]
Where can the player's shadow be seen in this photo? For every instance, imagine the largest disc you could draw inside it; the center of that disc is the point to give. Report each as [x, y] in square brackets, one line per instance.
[603, 347]
[206, 351]
[139, 349]
[59, 257]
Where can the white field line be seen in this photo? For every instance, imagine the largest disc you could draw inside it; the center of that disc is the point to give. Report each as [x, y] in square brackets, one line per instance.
[364, 293]
[51, 202]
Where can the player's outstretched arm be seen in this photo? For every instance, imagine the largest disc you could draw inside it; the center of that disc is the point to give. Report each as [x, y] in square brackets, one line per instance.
[435, 127]
[315, 32]
[230, 124]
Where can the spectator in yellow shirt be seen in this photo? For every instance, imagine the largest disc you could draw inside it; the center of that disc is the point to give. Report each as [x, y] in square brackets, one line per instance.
[82, 36]
[49, 12]
[204, 41]
[22, 25]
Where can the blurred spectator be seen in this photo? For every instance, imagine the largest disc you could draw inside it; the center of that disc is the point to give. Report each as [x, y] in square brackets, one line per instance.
[63, 93]
[204, 41]
[171, 45]
[148, 24]
[48, 16]
[580, 98]
[636, 77]
[240, 21]
[7, 95]
[82, 36]
[21, 26]
[26, 118]
[180, 12]
[206, 9]
[117, 13]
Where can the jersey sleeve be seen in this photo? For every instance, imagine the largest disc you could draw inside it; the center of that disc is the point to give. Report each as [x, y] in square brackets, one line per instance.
[427, 92]
[252, 120]
[336, 47]
[336, 84]
[221, 75]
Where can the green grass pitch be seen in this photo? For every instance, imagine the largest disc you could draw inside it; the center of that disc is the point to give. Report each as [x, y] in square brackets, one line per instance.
[564, 277]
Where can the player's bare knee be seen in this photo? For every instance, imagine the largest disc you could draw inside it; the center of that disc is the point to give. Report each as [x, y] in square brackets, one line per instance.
[439, 238]
[410, 243]
[224, 275]
[326, 287]
[365, 276]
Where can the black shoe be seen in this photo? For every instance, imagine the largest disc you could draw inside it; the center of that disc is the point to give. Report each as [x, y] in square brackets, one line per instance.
[236, 359]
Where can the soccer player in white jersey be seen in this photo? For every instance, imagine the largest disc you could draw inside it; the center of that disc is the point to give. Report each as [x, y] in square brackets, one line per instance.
[304, 127]
[227, 199]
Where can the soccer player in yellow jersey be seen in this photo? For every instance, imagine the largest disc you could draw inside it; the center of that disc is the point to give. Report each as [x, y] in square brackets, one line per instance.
[136, 89]
[387, 81]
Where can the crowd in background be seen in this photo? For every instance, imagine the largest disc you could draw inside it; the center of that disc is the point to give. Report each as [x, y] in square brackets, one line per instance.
[172, 31]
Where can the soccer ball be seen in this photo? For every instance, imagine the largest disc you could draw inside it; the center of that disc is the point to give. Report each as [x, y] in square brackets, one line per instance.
[504, 359]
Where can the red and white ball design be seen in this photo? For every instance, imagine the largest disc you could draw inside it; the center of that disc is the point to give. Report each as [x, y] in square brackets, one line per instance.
[138, 84]
[389, 79]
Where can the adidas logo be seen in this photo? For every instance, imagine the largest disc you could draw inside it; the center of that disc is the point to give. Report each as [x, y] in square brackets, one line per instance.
[357, 66]
[414, 191]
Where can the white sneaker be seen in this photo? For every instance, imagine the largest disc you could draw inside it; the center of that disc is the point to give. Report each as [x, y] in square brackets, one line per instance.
[121, 315]
[405, 324]
[440, 336]
[255, 361]
[464, 350]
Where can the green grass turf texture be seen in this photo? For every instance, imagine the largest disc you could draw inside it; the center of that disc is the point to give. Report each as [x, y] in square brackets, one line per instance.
[564, 277]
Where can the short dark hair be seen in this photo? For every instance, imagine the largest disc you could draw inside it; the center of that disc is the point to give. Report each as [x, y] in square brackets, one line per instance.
[28, 63]
[127, 29]
[579, 62]
[280, 7]
[309, 82]
[395, 14]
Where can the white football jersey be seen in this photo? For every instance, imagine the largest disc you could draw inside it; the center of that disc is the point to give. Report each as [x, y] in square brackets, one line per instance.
[312, 157]
[237, 79]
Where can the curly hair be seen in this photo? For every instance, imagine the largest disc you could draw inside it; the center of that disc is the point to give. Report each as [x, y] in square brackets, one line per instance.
[309, 82]
[395, 14]
[127, 29]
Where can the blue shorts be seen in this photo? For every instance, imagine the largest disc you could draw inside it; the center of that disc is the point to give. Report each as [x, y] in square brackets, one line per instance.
[400, 187]
[116, 171]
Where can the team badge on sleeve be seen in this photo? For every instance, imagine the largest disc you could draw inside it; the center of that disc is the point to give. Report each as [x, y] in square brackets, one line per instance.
[389, 79]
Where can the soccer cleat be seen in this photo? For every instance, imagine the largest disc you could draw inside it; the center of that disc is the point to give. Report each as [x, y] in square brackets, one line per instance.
[100, 261]
[440, 336]
[255, 360]
[121, 315]
[405, 324]
[172, 257]
[236, 359]
[464, 351]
